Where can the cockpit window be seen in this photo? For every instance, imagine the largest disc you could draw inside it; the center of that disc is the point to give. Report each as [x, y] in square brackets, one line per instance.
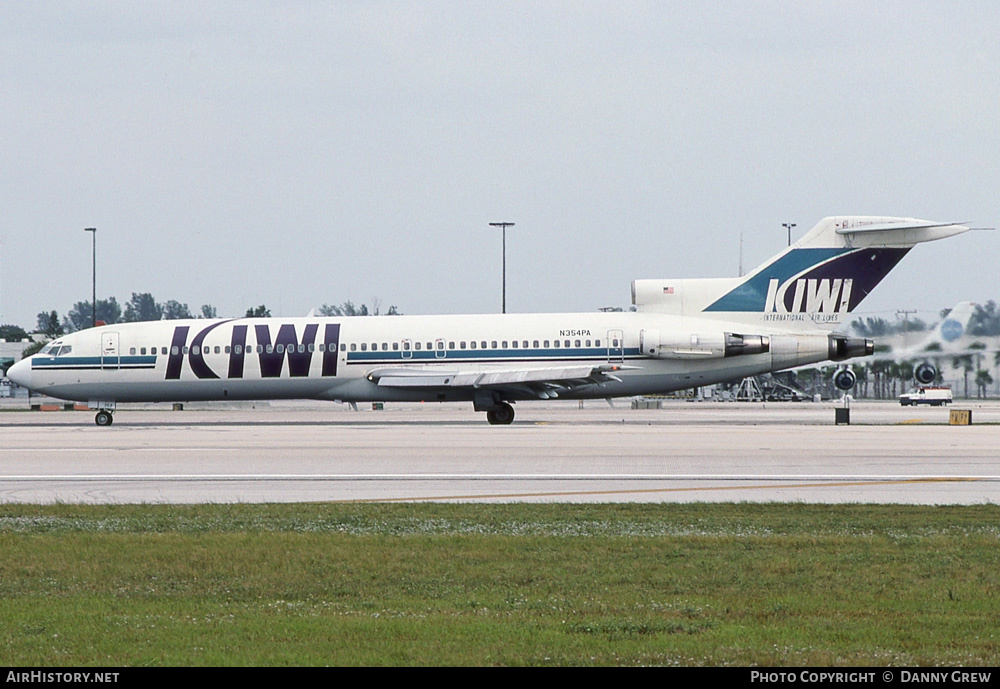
[66, 349]
[46, 349]
[51, 351]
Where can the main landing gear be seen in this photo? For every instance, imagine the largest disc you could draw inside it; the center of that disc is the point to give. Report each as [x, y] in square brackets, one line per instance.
[104, 418]
[501, 415]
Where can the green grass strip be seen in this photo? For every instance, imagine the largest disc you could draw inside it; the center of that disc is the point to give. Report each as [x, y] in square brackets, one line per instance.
[518, 584]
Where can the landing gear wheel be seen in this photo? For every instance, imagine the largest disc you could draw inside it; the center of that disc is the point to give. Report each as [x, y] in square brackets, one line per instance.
[503, 415]
[104, 418]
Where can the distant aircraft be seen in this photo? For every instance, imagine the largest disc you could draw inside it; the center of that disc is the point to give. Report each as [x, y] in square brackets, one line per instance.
[683, 334]
[949, 338]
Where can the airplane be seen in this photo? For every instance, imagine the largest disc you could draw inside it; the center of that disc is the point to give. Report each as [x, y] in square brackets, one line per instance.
[682, 334]
[947, 338]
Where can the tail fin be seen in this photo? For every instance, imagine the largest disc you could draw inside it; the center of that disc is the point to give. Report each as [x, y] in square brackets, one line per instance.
[814, 283]
[948, 335]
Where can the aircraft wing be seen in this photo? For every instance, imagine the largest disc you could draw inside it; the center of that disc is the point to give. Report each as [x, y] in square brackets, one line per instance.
[542, 382]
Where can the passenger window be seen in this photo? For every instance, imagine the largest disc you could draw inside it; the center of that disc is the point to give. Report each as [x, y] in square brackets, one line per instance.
[546, 343]
[416, 345]
[567, 343]
[142, 350]
[524, 344]
[238, 349]
[354, 347]
[385, 346]
[217, 349]
[406, 346]
[226, 349]
[364, 346]
[577, 343]
[597, 343]
[555, 343]
[451, 345]
[534, 343]
[395, 346]
[482, 345]
[131, 351]
[504, 344]
[494, 344]
[174, 351]
[514, 344]
[461, 345]
[472, 345]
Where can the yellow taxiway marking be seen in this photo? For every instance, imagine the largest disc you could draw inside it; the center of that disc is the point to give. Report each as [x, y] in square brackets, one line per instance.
[646, 491]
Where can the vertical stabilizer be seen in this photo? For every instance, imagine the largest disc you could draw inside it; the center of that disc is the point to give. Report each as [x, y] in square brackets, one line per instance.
[815, 283]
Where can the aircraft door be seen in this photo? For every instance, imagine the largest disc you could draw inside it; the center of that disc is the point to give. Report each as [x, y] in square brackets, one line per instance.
[440, 351]
[407, 352]
[616, 347]
[109, 351]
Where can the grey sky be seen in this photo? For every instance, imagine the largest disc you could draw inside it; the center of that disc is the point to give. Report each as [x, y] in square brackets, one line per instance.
[296, 153]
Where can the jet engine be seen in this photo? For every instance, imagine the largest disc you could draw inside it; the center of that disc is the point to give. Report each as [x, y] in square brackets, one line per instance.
[925, 373]
[848, 347]
[701, 346]
[844, 379]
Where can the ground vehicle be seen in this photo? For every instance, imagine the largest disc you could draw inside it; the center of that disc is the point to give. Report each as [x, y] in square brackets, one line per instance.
[926, 395]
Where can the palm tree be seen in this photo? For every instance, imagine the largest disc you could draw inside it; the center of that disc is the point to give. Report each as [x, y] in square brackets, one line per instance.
[964, 361]
[983, 380]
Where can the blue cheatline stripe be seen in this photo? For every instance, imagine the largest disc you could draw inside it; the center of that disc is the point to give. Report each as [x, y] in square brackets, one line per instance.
[65, 362]
[489, 355]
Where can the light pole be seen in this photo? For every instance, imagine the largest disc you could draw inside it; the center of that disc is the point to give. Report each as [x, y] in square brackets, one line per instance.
[504, 225]
[788, 226]
[93, 281]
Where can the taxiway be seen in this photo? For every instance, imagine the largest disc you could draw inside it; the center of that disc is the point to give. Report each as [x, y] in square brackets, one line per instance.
[686, 451]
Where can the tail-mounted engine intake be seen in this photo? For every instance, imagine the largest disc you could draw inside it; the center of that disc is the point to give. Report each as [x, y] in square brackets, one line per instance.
[700, 346]
[848, 347]
[925, 373]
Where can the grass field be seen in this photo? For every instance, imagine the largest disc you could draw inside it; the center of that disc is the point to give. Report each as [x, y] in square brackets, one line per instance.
[428, 584]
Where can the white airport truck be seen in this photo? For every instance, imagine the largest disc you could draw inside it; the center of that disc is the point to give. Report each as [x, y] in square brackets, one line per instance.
[926, 395]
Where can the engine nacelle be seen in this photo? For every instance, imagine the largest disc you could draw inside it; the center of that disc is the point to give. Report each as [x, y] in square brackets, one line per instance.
[844, 379]
[925, 373]
[701, 346]
[848, 347]
[741, 345]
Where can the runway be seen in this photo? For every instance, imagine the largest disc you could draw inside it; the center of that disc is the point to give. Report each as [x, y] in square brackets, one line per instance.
[554, 452]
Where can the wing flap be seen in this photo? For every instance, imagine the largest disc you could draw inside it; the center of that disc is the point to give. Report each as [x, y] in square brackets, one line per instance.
[535, 378]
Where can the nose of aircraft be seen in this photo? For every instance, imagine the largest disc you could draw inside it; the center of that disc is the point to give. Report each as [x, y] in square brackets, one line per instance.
[20, 373]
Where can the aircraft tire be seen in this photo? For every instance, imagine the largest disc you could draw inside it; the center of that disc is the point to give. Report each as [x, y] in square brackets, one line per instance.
[104, 418]
[503, 415]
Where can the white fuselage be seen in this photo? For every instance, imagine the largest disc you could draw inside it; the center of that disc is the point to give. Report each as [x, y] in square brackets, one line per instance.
[332, 358]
